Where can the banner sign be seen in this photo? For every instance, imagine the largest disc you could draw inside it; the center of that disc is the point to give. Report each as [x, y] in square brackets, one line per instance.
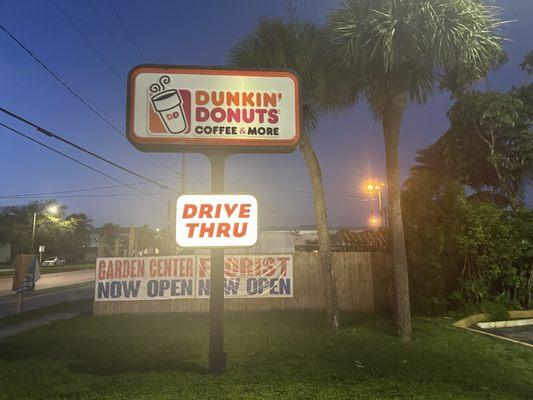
[186, 277]
[249, 276]
[26, 272]
[191, 109]
[145, 278]
[216, 220]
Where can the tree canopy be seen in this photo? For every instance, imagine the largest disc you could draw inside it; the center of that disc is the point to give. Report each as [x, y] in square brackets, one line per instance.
[304, 48]
[409, 46]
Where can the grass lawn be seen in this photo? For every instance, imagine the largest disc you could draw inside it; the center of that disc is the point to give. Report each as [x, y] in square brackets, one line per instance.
[53, 270]
[272, 355]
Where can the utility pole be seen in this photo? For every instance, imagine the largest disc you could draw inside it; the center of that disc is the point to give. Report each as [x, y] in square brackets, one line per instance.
[131, 241]
[183, 178]
[33, 232]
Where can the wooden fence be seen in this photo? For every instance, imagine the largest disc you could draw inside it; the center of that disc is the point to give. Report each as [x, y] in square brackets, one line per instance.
[355, 275]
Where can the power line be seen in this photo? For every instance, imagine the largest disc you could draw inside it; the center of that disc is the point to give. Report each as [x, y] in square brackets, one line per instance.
[76, 161]
[83, 149]
[67, 191]
[88, 41]
[333, 194]
[110, 33]
[57, 78]
[329, 194]
[130, 36]
[75, 94]
[51, 134]
[162, 186]
[78, 196]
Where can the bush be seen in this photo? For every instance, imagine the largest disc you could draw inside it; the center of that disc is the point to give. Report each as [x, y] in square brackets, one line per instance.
[496, 311]
[463, 251]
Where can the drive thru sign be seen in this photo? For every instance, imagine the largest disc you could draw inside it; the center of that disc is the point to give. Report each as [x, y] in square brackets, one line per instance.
[218, 112]
[216, 220]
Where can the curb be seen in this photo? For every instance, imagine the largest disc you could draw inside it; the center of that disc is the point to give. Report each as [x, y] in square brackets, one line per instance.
[467, 322]
[505, 324]
[476, 318]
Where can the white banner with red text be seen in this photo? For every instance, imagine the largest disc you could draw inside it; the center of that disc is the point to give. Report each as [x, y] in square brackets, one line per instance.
[187, 277]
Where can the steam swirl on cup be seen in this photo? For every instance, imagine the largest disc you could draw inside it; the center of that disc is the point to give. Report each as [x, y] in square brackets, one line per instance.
[164, 80]
[157, 87]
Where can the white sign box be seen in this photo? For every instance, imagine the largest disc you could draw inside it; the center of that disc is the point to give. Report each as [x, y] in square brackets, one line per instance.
[191, 109]
[216, 220]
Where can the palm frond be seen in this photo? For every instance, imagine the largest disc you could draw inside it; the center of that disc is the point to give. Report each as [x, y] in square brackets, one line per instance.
[410, 45]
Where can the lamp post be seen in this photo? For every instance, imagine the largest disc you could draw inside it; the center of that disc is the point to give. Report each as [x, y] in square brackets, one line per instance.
[52, 209]
[376, 187]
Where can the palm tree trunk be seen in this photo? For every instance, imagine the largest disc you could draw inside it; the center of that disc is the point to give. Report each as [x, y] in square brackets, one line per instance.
[324, 245]
[392, 118]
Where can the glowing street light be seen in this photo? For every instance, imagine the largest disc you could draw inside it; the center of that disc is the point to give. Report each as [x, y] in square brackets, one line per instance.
[374, 221]
[375, 186]
[52, 209]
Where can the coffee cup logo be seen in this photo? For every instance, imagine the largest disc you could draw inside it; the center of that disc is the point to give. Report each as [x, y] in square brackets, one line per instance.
[169, 106]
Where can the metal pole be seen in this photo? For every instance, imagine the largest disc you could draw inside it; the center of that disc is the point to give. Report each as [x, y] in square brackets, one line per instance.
[33, 232]
[217, 357]
[380, 207]
[19, 301]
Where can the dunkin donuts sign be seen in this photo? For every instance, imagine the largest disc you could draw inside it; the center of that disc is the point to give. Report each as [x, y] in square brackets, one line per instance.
[181, 109]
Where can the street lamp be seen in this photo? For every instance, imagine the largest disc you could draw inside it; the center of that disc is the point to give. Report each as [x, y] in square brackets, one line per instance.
[374, 221]
[371, 187]
[52, 209]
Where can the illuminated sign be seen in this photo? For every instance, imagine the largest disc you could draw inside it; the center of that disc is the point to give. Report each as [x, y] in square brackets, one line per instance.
[194, 109]
[249, 276]
[145, 278]
[216, 220]
[188, 277]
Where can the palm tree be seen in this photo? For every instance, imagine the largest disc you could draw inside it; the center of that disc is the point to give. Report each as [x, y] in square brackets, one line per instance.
[399, 50]
[304, 48]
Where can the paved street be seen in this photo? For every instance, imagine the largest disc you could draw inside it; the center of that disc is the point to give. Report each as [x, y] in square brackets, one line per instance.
[56, 291]
[520, 333]
[51, 280]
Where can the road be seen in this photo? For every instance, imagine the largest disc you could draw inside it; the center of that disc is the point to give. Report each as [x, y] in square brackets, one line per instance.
[521, 333]
[50, 289]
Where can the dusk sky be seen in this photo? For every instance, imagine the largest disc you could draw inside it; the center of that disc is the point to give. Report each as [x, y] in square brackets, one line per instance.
[349, 145]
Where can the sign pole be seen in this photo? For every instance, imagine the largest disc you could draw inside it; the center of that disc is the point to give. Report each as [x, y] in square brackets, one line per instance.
[217, 357]
[20, 296]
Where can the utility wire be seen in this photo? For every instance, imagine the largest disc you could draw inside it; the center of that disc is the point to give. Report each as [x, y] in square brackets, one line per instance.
[162, 186]
[354, 196]
[76, 161]
[75, 94]
[110, 33]
[88, 41]
[78, 196]
[130, 36]
[330, 194]
[67, 191]
[83, 149]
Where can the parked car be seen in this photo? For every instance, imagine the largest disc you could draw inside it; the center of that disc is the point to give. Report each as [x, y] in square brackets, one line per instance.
[53, 262]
